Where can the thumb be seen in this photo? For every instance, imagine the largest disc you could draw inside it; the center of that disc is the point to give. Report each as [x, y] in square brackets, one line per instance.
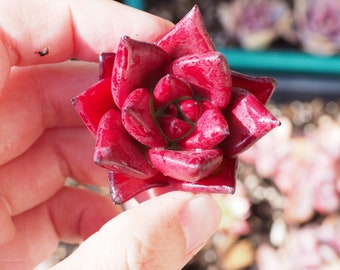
[162, 233]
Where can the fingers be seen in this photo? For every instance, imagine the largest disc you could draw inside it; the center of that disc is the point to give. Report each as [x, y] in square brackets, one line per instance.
[65, 28]
[30, 228]
[39, 97]
[71, 215]
[162, 233]
[41, 171]
[70, 28]
[76, 214]
[40, 31]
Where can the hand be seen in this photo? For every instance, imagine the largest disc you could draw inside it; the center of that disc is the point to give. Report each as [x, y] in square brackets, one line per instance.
[43, 141]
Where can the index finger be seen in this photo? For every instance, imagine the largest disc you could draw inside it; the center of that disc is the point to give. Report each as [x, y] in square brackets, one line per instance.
[40, 31]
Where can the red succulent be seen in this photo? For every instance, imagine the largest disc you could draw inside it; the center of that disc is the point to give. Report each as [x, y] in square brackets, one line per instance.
[173, 114]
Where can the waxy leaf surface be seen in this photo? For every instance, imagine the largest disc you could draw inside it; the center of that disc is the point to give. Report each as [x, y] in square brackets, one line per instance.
[172, 115]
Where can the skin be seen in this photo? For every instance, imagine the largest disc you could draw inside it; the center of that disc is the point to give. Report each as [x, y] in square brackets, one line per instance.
[43, 141]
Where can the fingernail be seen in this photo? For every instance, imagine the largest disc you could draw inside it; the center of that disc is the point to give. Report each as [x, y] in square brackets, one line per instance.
[200, 218]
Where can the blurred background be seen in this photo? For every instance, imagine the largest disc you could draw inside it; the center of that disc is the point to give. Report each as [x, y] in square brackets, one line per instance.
[285, 214]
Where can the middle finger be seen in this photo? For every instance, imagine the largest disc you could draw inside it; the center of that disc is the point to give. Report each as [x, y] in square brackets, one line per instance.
[39, 97]
[40, 172]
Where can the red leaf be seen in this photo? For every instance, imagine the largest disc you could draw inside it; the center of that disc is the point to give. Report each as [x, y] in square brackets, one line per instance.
[191, 109]
[173, 127]
[124, 188]
[248, 121]
[106, 61]
[138, 120]
[223, 182]
[261, 87]
[138, 64]
[93, 103]
[168, 89]
[211, 129]
[210, 74]
[171, 110]
[117, 151]
[186, 165]
[188, 36]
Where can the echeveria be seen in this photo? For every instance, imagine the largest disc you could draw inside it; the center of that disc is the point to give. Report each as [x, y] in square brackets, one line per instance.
[318, 25]
[172, 113]
[255, 24]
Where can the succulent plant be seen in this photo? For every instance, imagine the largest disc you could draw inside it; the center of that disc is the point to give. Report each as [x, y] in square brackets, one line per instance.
[313, 246]
[303, 168]
[172, 113]
[317, 24]
[255, 24]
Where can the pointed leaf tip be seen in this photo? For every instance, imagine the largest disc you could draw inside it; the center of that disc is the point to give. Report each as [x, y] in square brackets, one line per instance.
[188, 36]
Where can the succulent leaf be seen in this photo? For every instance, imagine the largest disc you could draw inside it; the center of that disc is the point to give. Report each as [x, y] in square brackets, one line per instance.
[210, 74]
[116, 150]
[172, 114]
[138, 120]
[170, 88]
[248, 120]
[93, 103]
[211, 129]
[137, 64]
[186, 165]
[189, 36]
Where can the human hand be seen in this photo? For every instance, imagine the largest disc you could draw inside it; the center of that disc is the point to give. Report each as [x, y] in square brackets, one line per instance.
[43, 141]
